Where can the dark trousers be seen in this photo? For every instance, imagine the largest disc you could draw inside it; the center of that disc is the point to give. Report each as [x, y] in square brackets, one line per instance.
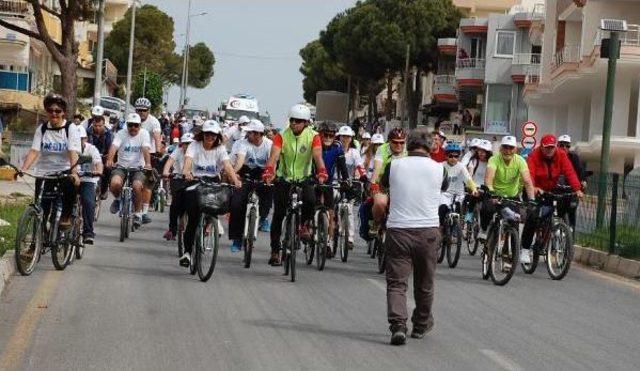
[281, 203]
[177, 204]
[66, 188]
[412, 249]
[365, 215]
[104, 180]
[239, 201]
[567, 209]
[88, 200]
[193, 212]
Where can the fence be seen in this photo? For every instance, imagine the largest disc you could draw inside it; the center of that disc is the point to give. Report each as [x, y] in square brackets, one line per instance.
[621, 223]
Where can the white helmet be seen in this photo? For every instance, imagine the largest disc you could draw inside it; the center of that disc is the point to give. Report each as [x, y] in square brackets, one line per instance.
[366, 135]
[243, 120]
[346, 131]
[186, 138]
[564, 138]
[485, 144]
[377, 139]
[254, 126]
[97, 111]
[475, 142]
[211, 126]
[300, 112]
[134, 118]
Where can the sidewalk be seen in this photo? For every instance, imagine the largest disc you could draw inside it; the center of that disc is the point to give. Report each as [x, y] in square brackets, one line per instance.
[9, 189]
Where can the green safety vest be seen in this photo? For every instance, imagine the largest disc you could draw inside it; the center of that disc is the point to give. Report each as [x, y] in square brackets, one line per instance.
[296, 156]
[387, 156]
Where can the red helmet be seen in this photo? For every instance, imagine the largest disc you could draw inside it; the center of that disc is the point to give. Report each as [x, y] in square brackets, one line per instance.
[397, 133]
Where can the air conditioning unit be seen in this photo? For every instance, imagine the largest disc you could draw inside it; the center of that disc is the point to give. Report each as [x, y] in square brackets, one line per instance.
[613, 25]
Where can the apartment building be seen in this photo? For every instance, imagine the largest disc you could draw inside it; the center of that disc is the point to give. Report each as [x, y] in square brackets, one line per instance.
[569, 95]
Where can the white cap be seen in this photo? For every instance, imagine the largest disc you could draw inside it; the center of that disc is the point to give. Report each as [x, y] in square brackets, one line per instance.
[564, 138]
[243, 120]
[346, 131]
[366, 135]
[134, 118]
[377, 139]
[176, 140]
[211, 126]
[485, 144]
[97, 111]
[509, 141]
[475, 142]
[255, 126]
[441, 133]
[186, 138]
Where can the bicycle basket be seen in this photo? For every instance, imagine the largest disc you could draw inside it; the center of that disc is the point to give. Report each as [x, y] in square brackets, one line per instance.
[214, 199]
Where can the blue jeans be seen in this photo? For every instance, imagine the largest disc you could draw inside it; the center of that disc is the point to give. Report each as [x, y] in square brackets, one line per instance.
[88, 200]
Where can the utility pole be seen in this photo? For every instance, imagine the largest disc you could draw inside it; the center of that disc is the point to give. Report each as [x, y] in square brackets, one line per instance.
[130, 63]
[405, 109]
[97, 89]
[185, 56]
[144, 83]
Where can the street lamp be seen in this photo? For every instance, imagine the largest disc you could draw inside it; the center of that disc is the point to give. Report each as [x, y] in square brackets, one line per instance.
[615, 27]
[185, 58]
[97, 88]
[130, 62]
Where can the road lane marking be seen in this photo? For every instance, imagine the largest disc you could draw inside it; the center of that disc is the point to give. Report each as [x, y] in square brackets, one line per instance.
[501, 360]
[19, 342]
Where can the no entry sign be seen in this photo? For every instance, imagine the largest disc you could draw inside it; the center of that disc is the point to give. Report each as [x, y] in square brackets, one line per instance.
[529, 142]
[529, 129]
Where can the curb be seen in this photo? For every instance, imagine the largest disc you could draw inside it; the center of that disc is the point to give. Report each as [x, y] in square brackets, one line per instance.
[608, 263]
[7, 269]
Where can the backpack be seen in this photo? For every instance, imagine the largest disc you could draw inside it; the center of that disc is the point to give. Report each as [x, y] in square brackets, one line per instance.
[44, 128]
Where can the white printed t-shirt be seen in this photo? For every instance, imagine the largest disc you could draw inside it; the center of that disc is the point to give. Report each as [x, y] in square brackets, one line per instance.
[255, 156]
[207, 162]
[130, 148]
[152, 125]
[54, 148]
[90, 150]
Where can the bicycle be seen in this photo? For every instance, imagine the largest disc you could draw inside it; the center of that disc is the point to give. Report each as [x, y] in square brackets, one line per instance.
[471, 229]
[38, 229]
[342, 213]
[501, 249]
[290, 240]
[452, 235]
[250, 233]
[378, 250]
[160, 197]
[319, 244]
[126, 203]
[553, 237]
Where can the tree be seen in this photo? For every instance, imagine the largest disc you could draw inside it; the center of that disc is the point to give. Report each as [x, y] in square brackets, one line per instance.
[201, 61]
[151, 89]
[320, 71]
[65, 53]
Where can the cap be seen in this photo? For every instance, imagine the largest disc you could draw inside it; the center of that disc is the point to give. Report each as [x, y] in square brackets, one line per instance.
[346, 131]
[254, 126]
[509, 141]
[441, 133]
[549, 140]
[243, 120]
[564, 138]
[97, 111]
[211, 126]
[485, 144]
[186, 138]
[134, 118]
[475, 142]
[377, 139]
[366, 135]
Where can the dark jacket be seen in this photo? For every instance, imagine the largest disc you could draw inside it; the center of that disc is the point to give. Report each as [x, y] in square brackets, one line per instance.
[101, 142]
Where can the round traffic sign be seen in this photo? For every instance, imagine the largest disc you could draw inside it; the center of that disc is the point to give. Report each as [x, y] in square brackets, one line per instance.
[529, 142]
[529, 129]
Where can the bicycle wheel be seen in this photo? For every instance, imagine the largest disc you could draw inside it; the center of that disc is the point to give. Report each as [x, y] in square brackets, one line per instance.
[504, 257]
[124, 225]
[207, 250]
[76, 235]
[62, 250]
[472, 237]
[444, 243]
[284, 243]
[322, 237]
[381, 253]
[343, 236]
[28, 243]
[294, 246]
[162, 201]
[455, 245]
[248, 242]
[559, 251]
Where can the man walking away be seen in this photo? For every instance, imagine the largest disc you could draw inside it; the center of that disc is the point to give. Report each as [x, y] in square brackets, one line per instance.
[415, 185]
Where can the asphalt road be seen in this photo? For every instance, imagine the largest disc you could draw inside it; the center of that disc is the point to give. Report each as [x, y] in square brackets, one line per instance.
[131, 307]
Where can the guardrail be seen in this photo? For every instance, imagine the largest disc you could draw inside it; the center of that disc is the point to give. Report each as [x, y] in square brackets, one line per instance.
[444, 80]
[16, 7]
[526, 58]
[475, 63]
[568, 54]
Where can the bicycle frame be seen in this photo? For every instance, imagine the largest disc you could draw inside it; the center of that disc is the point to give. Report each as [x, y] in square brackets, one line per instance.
[251, 205]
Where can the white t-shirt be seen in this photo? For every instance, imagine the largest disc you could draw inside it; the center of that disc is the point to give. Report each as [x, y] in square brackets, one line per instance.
[90, 150]
[255, 156]
[207, 163]
[458, 177]
[54, 148]
[353, 160]
[178, 160]
[82, 132]
[152, 125]
[467, 157]
[130, 148]
[233, 134]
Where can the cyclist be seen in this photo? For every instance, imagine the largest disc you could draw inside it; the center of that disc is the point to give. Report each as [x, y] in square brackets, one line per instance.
[205, 157]
[234, 133]
[394, 148]
[437, 153]
[473, 146]
[101, 138]
[355, 169]
[458, 177]
[88, 188]
[251, 157]
[546, 165]
[566, 207]
[365, 207]
[365, 141]
[55, 147]
[96, 111]
[477, 167]
[174, 165]
[507, 172]
[151, 124]
[296, 148]
[133, 147]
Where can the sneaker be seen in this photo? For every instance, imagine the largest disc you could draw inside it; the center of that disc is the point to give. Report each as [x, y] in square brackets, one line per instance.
[399, 338]
[525, 257]
[185, 260]
[169, 236]
[236, 246]
[115, 206]
[137, 221]
[274, 261]
[305, 233]
[87, 240]
[419, 332]
[265, 225]
[146, 219]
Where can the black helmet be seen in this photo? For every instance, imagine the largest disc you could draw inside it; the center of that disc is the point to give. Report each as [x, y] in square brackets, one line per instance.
[55, 98]
[328, 126]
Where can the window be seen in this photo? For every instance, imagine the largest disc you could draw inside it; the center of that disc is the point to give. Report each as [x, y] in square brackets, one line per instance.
[498, 109]
[477, 48]
[505, 44]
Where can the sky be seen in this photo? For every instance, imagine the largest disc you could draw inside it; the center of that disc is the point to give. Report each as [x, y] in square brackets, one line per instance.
[256, 45]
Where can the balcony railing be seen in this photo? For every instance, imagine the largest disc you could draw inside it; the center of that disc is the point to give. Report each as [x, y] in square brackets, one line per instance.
[568, 54]
[532, 74]
[526, 58]
[444, 80]
[14, 7]
[474, 63]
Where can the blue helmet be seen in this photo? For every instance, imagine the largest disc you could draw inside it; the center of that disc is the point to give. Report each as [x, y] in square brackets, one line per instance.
[453, 147]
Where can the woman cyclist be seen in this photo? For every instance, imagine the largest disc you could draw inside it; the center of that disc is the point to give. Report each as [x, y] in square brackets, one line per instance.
[369, 156]
[355, 170]
[175, 163]
[477, 167]
[206, 157]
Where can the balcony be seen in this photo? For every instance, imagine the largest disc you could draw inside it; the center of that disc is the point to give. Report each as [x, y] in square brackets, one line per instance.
[448, 46]
[14, 8]
[474, 25]
[522, 64]
[444, 89]
[525, 18]
[567, 56]
[470, 72]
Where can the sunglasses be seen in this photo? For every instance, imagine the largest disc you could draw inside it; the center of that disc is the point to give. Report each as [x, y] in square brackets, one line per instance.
[57, 111]
[454, 155]
[132, 125]
[208, 133]
[142, 110]
[510, 148]
[297, 121]
[563, 145]
[401, 142]
[329, 134]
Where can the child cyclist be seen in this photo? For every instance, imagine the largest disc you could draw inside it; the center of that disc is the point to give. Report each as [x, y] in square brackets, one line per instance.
[459, 177]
